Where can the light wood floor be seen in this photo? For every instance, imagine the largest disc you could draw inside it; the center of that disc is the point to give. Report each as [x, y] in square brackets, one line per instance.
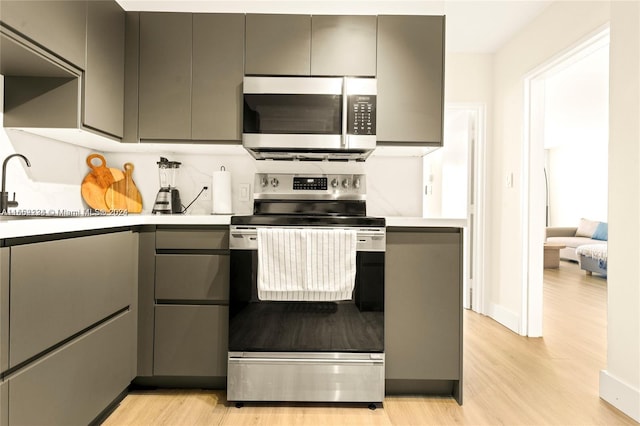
[508, 379]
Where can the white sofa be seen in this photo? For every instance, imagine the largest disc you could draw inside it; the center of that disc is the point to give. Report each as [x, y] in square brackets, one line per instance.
[586, 233]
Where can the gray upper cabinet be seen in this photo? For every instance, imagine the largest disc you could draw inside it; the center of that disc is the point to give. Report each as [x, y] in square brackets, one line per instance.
[191, 69]
[165, 76]
[410, 77]
[278, 45]
[218, 68]
[343, 45]
[59, 26]
[63, 63]
[104, 77]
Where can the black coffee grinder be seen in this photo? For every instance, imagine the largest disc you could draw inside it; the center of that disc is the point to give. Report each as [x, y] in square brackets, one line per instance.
[168, 198]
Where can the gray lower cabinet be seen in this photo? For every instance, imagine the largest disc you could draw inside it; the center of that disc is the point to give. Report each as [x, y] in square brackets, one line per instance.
[72, 385]
[410, 74]
[278, 44]
[68, 325]
[423, 306]
[183, 306]
[77, 283]
[4, 402]
[191, 340]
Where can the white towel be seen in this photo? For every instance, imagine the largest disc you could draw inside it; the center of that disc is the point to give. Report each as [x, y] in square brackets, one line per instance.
[306, 264]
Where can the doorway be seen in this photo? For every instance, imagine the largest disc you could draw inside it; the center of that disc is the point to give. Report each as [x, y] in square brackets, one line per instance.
[454, 187]
[534, 190]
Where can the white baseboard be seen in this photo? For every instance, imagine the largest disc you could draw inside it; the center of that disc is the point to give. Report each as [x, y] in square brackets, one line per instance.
[505, 317]
[620, 395]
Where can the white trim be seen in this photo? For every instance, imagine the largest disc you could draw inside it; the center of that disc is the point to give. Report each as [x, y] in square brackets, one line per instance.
[531, 226]
[478, 111]
[508, 318]
[620, 394]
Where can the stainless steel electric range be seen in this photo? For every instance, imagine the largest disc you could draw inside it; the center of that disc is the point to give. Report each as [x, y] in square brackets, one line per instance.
[306, 317]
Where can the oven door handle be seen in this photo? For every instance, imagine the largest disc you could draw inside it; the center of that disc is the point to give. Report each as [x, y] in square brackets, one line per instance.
[306, 361]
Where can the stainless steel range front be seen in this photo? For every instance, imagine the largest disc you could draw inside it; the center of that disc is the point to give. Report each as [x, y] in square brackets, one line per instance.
[306, 317]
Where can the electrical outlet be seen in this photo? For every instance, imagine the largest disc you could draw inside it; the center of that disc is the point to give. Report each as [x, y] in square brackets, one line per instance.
[206, 194]
[244, 191]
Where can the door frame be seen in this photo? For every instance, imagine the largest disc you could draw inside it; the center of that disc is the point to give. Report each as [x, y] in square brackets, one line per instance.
[474, 234]
[532, 224]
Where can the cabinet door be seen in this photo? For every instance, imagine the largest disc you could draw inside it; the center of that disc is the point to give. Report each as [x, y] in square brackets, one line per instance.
[60, 26]
[191, 340]
[410, 77]
[278, 45]
[343, 45]
[104, 76]
[4, 309]
[72, 385]
[165, 76]
[423, 305]
[4, 403]
[218, 68]
[192, 277]
[77, 282]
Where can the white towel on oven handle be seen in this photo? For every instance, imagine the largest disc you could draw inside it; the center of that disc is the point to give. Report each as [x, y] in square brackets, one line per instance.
[306, 264]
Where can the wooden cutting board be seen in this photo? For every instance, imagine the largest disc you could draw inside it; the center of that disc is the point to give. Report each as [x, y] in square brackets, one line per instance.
[98, 180]
[124, 194]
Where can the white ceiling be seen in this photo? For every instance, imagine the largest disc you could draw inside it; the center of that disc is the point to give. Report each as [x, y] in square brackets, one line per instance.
[473, 26]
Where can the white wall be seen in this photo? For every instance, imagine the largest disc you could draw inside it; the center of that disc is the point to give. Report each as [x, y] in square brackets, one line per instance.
[559, 27]
[620, 382]
[576, 126]
[468, 82]
[394, 184]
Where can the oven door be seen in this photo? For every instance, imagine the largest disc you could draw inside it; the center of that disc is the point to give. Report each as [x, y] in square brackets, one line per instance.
[350, 326]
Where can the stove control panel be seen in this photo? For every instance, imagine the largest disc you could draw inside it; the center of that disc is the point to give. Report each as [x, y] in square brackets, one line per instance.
[272, 185]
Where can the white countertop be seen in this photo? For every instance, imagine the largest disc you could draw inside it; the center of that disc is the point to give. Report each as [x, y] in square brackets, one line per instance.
[14, 228]
[421, 222]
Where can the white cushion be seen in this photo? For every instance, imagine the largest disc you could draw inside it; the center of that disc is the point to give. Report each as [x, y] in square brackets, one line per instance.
[586, 228]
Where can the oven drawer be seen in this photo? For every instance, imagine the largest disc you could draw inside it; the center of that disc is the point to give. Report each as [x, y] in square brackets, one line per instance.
[192, 277]
[315, 377]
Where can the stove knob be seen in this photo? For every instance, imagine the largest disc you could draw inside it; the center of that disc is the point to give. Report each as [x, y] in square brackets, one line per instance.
[264, 182]
[274, 182]
[334, 183]
[356, 183]
[345, 183]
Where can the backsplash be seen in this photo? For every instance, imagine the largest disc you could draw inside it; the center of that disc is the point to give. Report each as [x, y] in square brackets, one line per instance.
[394, 184]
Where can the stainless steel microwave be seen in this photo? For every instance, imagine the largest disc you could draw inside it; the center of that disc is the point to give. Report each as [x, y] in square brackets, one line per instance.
[309, 118]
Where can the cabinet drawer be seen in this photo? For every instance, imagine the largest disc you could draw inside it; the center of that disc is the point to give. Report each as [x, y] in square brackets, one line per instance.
[59, 288]
[192, 277]
[193, 239]
[190, 340]
[72, 385]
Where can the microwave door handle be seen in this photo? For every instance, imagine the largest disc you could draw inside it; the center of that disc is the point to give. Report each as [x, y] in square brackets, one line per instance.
[345, 113]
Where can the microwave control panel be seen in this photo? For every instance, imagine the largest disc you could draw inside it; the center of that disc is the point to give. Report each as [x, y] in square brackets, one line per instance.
[361, 115]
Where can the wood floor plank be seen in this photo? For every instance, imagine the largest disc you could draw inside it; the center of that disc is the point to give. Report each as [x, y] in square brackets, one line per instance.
[508, 379]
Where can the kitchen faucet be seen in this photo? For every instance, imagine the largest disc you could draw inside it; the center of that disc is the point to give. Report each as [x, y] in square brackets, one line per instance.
[4, 196]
